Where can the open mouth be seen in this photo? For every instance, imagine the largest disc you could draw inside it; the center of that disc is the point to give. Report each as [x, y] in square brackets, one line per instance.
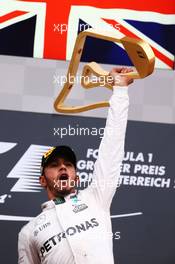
[63, 177]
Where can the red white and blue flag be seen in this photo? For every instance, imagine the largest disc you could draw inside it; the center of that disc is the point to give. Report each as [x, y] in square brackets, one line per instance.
[48, 29]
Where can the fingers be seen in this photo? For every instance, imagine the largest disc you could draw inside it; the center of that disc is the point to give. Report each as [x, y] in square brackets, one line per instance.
[126, 70]
[121, 70]
[120, 77]
[117, 69]
[130, 81]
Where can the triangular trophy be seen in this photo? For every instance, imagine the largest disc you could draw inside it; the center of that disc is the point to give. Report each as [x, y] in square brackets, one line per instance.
[138, 50]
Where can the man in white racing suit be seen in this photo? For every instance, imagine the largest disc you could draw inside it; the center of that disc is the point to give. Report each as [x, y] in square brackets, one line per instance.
[75, 226]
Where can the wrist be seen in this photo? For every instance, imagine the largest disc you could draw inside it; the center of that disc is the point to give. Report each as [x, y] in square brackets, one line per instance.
[118, 81]
[120, 89]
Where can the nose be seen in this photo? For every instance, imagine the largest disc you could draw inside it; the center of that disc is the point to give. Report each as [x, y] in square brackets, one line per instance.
[62, 167]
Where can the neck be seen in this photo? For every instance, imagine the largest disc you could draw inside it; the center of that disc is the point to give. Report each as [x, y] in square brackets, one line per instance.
[52, 196]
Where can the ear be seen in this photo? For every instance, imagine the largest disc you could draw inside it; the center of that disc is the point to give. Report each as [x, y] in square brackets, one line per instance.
[77, 179]
[43, 181]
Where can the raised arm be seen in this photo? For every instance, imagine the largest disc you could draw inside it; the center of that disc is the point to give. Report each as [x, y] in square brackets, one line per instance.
[111, 150]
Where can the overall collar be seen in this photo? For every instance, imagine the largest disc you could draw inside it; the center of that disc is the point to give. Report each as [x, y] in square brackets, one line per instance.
[59, 200]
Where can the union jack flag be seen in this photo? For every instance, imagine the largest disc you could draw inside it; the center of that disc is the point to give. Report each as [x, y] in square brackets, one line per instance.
[48, 29]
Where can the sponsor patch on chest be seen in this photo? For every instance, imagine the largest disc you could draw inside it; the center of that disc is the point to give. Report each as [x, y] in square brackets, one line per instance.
[79, 207]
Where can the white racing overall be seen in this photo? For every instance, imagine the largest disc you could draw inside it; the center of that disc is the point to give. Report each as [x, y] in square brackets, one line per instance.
[78, 230]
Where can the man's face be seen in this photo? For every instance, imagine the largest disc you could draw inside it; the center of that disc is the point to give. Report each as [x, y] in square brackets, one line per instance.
[60, 177]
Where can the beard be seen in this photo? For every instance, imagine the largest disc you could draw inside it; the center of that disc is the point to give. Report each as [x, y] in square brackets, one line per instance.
[54, 187]
[62, 193]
